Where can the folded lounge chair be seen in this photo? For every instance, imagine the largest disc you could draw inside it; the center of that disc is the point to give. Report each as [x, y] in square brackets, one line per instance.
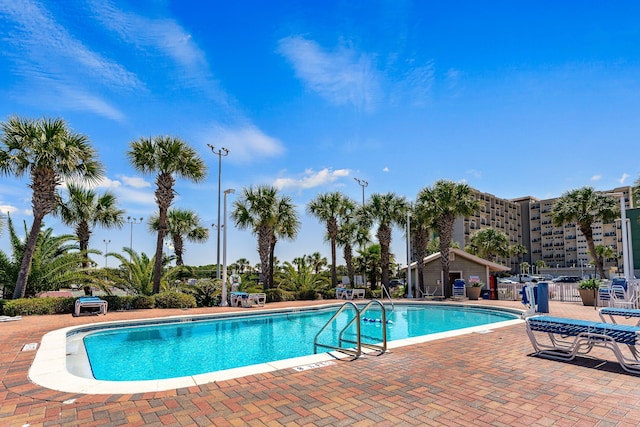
[90, 302]
[567, 338]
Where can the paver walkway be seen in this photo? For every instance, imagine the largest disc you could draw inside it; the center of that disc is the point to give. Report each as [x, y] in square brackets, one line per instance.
[485, 379]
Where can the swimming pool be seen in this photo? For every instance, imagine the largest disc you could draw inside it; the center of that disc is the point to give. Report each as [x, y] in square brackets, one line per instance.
[190, 350]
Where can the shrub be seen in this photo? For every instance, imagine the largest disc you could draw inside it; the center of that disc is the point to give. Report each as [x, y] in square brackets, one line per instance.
[142, 302]
[172, 299]
[307, 295]
[26, 306]
[278, 295]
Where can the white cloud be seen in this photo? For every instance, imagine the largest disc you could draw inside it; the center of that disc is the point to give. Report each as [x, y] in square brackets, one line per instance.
[342, 77]
[596, 177]
[624, 177]
[129, 195]
[420, 81]
[5, 209]
[474, 173]
[311, 179]
[245, 144]
[385, 169]
[134, 181]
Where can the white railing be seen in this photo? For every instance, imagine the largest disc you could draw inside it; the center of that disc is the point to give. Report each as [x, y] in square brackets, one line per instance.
[557, 291]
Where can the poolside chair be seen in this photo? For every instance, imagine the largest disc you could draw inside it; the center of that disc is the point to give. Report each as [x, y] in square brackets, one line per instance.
[604, 296]
[257, 299]
[458, 288]
[90, 302]
[567, 338]
[613, 312]
[239, 299]
[623, 299]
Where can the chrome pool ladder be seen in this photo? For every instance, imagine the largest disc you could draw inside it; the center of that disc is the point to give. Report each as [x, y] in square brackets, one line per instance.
[357, 351]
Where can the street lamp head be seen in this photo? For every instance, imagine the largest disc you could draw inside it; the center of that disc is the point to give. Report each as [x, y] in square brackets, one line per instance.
[229, 191]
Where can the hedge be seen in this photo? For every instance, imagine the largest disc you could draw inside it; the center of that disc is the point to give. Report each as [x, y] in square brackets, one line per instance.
[173, 299]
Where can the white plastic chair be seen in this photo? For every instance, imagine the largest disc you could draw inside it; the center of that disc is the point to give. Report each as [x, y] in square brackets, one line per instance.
[621, 299]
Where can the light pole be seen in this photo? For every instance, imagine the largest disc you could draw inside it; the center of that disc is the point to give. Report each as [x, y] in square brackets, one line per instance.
[222, 152]
[224, 303]
[130, 220]
[106, 250]
[410, 292]
[362, 183]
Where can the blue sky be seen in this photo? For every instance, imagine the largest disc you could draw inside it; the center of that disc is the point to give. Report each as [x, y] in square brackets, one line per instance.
[514, 98]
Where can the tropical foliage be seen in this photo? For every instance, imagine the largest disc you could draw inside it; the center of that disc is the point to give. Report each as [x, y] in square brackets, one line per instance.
[48, 152]
[182, 224]
[584, 206]
[445, 202]
[167, 157]
[489, 243]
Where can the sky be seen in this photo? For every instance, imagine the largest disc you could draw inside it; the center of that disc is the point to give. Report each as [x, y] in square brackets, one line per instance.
[514, 98]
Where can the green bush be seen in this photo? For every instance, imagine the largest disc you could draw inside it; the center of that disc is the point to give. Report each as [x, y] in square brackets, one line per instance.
[26, 306]
[328, 293]
[142, 302]
[278, 295]
[172, 299]
[307, 295]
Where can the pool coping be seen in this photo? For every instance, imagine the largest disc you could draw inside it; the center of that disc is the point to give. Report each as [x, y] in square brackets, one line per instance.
[49, 368]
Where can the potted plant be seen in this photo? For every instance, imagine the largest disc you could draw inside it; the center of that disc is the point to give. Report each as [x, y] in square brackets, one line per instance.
[588, 289]
[474, 289]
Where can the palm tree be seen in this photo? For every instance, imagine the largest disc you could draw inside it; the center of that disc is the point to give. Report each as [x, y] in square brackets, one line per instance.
[84, 209]
[346, 238]
[387, 210]
[243, 265]
[167, 157]
[446, 201]
[421, 224]
[181, 224]
[488, 243]
[286, 226]
[518, 250]
[258, 209]
[584, 206]
[136, 272]
[49, 153]
[328, 207]
[604, 252]
[317, 261]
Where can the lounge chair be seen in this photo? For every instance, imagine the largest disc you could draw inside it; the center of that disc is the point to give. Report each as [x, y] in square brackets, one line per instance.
[257, 299]
[614, 312]
[239, 299]
[567, 338]
[458, 288]
[90, 302]
[623, 299]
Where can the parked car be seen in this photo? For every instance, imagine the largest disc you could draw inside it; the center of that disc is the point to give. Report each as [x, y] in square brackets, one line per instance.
[567, 279]
[396, 282]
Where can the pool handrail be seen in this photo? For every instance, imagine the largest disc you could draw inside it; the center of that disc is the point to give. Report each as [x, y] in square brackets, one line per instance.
[381, 348]
[355, 352]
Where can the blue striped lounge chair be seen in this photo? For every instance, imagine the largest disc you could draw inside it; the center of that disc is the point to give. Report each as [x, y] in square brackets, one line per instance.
[613, 312]
[563, 339]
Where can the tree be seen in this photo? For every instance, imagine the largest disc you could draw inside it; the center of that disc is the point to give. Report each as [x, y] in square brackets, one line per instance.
[182, 224]
[316, 261]
[328, 207]
[167, 157]
[387, 210]
[421, 224]
[446, 201]
[584, 206]
[135, 274]
[518, 250]
[604, 252]
[49, 153]
[286, 227]
[85, 209]
[258, 209]
[489, 243]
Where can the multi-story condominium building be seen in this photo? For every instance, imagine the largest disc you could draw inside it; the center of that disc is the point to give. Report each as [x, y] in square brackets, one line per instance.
[527, 221]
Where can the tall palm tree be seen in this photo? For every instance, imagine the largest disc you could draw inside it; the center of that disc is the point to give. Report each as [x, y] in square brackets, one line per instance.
[286, 227]
[387, 210]
[168, 157]
[584, 206]
[346, 238]
[328, 207]
[421, 224]
[317, 261]
[446, 201]
[49, 153]
[257, 209]
[518, 250]
[488, 243]
[85, 209]
[182, 224]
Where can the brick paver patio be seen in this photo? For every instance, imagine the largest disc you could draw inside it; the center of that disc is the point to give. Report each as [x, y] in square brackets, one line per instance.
[485, 379]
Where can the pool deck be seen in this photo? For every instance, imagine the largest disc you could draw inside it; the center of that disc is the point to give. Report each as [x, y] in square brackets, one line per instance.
[480, 379]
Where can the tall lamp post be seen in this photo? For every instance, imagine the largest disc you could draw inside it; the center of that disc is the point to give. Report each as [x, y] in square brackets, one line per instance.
[131, 221]
[106, 250]
[224, 303]
[222, 152]
[362, 183]
[410, 292]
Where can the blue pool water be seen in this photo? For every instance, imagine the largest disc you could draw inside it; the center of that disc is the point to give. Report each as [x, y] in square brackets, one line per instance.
[199, 346]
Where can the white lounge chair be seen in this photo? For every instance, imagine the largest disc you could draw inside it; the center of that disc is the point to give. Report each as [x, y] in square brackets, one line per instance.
[239, 299]
[567, 338]
[90, 302]
[258, 299]
[623, 299]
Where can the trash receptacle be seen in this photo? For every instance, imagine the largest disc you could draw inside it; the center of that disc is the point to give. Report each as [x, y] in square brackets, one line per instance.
[543, 297]
[486, 294]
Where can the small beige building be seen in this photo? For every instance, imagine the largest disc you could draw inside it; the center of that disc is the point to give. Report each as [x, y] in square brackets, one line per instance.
[462, 265]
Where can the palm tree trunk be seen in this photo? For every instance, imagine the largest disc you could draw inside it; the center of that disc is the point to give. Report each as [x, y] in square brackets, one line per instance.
[445, 229]
[588, 234]
[27, 257]
[263, 251]
[384, 238]
[348, 259]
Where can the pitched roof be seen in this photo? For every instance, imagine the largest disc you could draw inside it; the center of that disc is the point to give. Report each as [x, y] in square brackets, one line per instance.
[459, 252]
